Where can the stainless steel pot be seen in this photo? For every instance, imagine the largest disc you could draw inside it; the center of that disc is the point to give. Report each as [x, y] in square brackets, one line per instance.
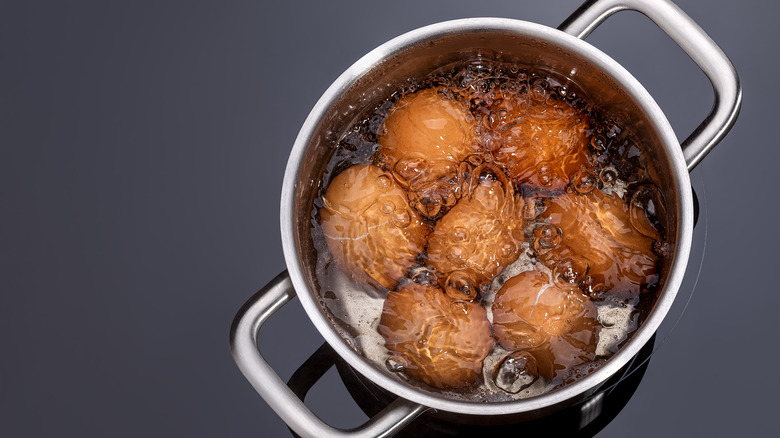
[415, 54]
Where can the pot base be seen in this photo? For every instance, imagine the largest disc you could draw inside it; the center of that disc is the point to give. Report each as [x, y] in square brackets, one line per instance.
[584, 419]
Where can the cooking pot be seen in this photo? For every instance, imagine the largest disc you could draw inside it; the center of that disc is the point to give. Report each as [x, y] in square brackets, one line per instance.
[414, 55]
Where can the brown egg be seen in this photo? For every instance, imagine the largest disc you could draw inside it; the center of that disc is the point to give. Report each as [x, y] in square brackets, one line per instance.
[530, 310]
[369, 227]
[424, 141]
[436, 340]
[538, 138]
[479, 236]
[597, 227]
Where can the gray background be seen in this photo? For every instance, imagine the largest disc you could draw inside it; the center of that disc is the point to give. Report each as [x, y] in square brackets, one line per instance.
[142, 153]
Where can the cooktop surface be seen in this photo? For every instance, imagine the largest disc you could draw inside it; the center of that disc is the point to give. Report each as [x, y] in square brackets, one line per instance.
[143, 154]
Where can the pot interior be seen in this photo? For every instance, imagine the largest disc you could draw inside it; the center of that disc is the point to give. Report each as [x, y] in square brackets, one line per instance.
[414, 56]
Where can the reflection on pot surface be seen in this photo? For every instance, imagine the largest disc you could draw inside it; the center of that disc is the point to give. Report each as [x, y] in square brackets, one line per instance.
[487, 233]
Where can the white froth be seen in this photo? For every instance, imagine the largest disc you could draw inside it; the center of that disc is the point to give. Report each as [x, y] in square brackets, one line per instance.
[618, 319]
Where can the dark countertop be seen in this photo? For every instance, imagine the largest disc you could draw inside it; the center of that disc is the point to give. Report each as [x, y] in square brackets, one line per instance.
[143, 149]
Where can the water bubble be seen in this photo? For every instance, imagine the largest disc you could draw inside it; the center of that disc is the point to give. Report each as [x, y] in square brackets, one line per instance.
[492, 120]
[402, 219]
[568, 273]
[411, 168]
[608, 175]
[545, 174]
[595, 291]
[474, 160]
[422, 275]
[395, 364]
[516, 372]
[427, 206]
[648, 211]
[461, 286]
[539, 90]
[547, 237]
[508, 249]
[387, 208]
[506, 90]
[457, 255]
[522, 89]
[598, 142]
[459, 234]
[450, 199]
[383, 181]
[584, 181]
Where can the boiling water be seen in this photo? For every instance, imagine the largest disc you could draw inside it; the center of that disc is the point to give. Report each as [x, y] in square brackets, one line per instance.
[610, 171]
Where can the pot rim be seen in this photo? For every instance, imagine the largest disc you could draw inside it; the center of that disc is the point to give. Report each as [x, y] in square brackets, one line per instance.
[677, 167]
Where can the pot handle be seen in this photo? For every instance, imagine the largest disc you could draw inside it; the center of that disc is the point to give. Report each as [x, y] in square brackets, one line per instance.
[243, 344]
[697, 44]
